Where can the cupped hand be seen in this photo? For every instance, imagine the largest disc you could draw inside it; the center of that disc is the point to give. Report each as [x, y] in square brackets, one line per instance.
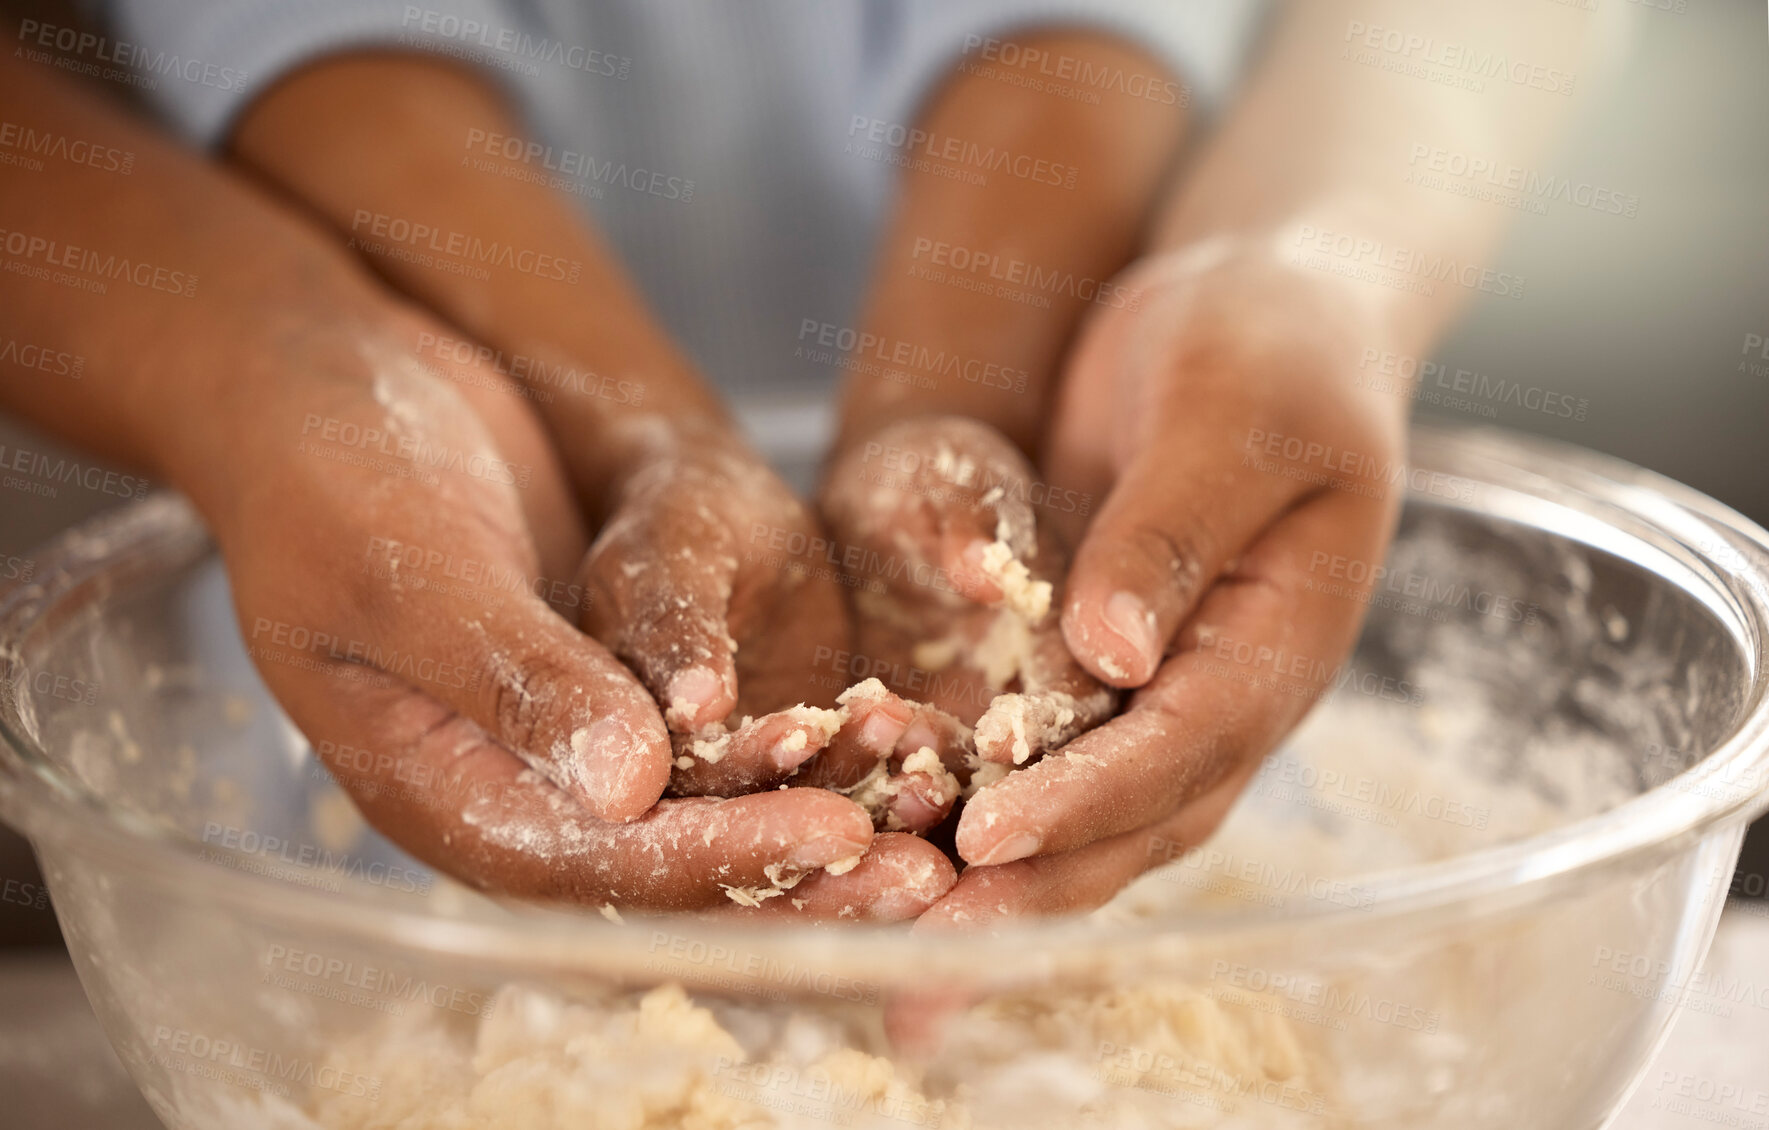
[952, 569]
[711, 580]
[400, 541]
[1223, 426]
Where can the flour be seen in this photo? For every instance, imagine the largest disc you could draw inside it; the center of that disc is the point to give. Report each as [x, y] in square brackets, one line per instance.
[1046, 720]
[877, 793]
[814, 727]
[926, 762]
[1201, 1043]
[1027, 598]
[781, 878]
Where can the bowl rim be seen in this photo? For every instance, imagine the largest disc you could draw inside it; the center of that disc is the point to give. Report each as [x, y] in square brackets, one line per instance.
[1724, 549]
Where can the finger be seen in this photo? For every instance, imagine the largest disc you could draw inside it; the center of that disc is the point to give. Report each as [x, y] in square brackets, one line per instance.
[757, 754]
[947, 735]
[1071, 883]
[924, 777]
[875, 721]
[789, 622]
[991, 546]
[436, 784]
[915, 794]
[916, 1022]
[906, 795]
[1086, 878]
[1178, 515]
[493, 651]
[898, 879]
[1208, 710]
[660, 577]
[951, 493]
[559, 701]
[1017, 727]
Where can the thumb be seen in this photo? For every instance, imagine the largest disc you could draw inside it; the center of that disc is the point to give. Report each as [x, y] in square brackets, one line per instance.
[493, 652]
[1177, 517]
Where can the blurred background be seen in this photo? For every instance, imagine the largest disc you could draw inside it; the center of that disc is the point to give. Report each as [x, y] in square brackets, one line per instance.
[1658, 320]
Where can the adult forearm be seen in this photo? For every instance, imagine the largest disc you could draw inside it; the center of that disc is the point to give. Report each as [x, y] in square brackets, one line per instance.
[1319, 161]
[383, 146]
[177, 287]
[1015, 209]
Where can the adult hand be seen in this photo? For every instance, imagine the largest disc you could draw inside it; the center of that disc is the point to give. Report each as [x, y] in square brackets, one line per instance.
[389, 529]
[1222, 423]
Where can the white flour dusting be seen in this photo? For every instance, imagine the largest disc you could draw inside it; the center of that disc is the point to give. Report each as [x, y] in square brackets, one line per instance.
[1362, 787]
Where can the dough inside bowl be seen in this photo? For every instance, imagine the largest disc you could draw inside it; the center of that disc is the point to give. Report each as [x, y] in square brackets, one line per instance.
[1529, 682]
[1246, 1042]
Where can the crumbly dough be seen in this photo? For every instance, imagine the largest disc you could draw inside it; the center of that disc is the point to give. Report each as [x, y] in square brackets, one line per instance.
[1026, 597]
[843, 866]
[781, 879]
[1021, 718]
[869, 691]
[926, 762]
[983, 774]
[875, 792]
[815, 725]
[1127, 1045]
[538, 1060]
[1005, 650]
[656, 1061]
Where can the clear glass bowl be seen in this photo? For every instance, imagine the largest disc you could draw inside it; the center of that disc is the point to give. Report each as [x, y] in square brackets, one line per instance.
[1470, 892]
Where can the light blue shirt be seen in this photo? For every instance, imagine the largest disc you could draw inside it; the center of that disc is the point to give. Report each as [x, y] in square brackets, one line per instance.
[739, 154]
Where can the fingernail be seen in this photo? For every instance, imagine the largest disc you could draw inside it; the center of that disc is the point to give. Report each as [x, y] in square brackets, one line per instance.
[974, 556]
[792, 750]
[591, 744]
[1132, 621]
[916, 812]
[690, 691]
[897, 906]
[823, 851]
[602, 757]
[880, 731]
[1007, 851]
[918, 733]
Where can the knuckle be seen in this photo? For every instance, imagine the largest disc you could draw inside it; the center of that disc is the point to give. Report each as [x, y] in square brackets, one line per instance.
[1176, 553]
[364, 596]
[525, 702]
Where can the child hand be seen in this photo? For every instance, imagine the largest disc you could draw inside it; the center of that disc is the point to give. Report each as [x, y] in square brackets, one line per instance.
[953, 573]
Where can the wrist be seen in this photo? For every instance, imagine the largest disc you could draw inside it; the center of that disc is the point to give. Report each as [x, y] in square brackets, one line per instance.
[1235, 327]
[289, 369]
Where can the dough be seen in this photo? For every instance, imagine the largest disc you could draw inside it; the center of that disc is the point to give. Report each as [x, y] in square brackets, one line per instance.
[816, 725]
[1050, 718]
[1027, 598]
[652, 1061]
[1118, 1046]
